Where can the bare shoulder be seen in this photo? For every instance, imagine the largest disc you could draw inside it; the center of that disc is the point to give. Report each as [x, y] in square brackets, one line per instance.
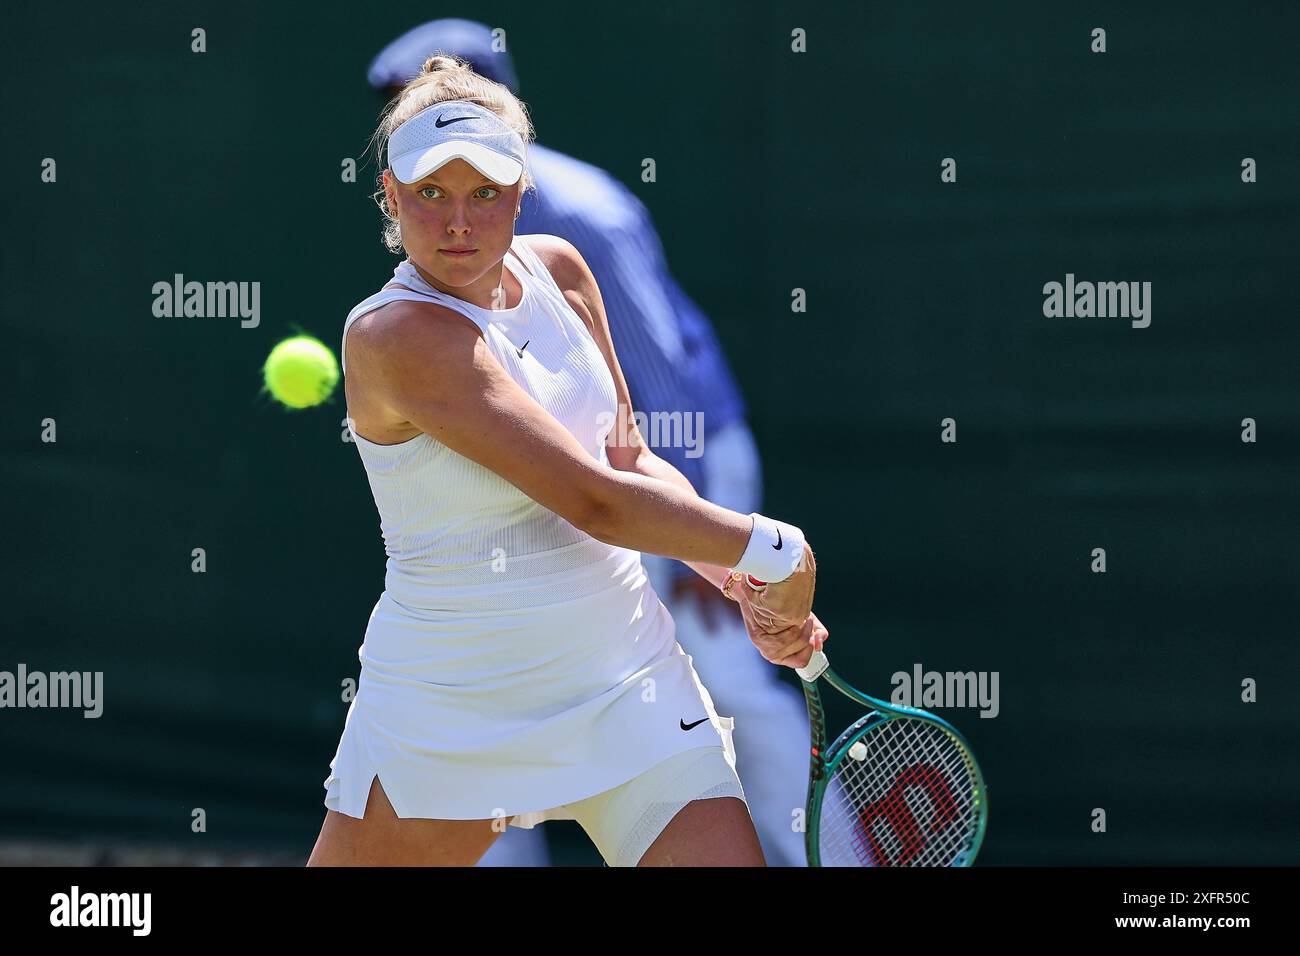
[571, 273]
[391, 353]
[396, 327]
[563, 260]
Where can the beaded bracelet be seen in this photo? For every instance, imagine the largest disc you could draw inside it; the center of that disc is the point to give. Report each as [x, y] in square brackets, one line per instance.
[733, 576]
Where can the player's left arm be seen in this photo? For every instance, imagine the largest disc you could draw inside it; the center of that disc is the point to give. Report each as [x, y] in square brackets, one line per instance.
[624, 445]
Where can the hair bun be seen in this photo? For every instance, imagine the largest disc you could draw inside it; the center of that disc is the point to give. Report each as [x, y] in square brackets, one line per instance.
[441, 61]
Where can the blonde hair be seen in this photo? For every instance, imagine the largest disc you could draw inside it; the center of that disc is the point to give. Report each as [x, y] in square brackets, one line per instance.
[443, 78]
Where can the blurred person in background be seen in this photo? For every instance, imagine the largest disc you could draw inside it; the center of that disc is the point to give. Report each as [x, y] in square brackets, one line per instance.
[673, 363]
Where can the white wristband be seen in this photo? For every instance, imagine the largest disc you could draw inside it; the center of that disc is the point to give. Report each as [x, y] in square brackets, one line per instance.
[774, 552]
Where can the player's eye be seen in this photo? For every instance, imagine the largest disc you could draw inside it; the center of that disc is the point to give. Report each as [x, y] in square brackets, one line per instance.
[483, 192]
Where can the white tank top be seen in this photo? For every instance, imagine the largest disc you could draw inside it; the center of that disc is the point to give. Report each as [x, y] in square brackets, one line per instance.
[458, 536]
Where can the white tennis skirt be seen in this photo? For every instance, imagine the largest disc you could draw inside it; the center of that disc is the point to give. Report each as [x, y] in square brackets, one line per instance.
[514, 713]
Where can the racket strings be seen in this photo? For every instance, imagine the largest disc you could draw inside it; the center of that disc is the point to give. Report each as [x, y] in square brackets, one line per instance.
[911, 801]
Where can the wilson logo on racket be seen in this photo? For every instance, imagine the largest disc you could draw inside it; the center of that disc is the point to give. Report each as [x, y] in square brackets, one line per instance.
[894, 808]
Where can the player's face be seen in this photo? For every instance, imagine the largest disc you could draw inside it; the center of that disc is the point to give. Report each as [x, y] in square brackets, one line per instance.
[456, 223]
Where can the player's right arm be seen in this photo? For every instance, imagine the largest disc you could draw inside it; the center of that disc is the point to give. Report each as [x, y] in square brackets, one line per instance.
[429, 366]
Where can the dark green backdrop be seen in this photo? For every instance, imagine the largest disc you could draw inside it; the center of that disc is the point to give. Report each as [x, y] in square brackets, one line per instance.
[775, 171]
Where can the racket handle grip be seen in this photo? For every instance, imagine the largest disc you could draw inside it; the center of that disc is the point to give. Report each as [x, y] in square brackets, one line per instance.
[816, 666]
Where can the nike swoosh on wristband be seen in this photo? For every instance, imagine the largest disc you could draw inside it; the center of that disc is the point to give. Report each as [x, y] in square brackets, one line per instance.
[521, 348]
[777, 546]
[440, 122]
[686, 726]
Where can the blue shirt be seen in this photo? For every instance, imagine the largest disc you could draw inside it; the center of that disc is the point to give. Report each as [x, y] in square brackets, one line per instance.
[666, 347]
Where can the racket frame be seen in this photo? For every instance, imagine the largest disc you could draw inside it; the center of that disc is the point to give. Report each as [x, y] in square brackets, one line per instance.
[824, 760]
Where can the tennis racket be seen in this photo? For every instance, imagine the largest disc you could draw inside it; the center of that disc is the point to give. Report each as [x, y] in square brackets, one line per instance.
[900, 786]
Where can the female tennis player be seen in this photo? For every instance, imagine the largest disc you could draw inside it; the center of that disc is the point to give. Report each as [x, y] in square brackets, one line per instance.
[519, 666]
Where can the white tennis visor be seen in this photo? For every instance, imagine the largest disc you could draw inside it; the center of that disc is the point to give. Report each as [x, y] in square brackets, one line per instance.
[456, 130]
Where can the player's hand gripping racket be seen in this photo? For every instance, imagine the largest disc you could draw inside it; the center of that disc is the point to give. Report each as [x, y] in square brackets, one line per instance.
[900, 787]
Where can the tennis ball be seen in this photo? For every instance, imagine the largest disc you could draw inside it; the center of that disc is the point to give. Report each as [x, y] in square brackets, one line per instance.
[301, 372]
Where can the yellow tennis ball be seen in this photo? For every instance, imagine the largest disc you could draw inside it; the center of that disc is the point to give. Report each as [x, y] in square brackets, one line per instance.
[301, 371]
